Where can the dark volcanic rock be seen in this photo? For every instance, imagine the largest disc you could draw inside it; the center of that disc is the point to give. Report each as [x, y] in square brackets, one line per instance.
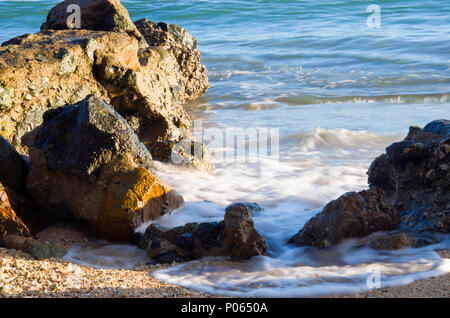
[88, 164]
[414, 174]
[13, 169]
[235, 237]
[351, 215]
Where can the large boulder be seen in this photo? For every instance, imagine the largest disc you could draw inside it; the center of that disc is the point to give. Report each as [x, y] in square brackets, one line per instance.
[13, 168]
[96, 15]
[10, 223]
[54, 68]
[235, 237]
[353, 215]
[88, 164]
[415, 174]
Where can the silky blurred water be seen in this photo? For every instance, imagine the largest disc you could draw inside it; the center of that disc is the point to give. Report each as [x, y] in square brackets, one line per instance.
[339, 93]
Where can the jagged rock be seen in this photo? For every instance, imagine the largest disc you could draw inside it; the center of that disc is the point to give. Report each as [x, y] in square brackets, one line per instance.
[50, 69]
[392, 241]
[352, 215]
[96, 15]
[9, 222]
[13, 168]
[88, 164]
[414, 174]
[241, 239]
[177, 42]
[235, 237]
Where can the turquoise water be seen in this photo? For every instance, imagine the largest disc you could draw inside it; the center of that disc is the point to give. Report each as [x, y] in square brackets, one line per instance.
[339, 93]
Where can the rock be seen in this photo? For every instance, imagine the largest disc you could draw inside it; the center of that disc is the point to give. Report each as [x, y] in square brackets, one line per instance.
[241, 239]
[352, 215]
[183, 243]
[131, 199]
[96, 15]
[176, 41]
[51, 69]
[14, 241]
[87, 164]
[392, 241]
[66, 235]
[13, 169]
[10, 223]
[28, 212]
[414, 175]
[253, 208]
[40, 250]
[234, 237]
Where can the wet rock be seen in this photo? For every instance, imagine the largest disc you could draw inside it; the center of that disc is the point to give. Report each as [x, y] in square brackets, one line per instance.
[414, 175]
[353, 215]
[96, 15]
[253, 208]
[88, 164]
[10, 223]
[234, 237]
[13, 168]
[392, 241]
[241, 239]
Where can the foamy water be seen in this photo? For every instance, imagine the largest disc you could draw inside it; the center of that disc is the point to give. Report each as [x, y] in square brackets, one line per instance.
[314, 167]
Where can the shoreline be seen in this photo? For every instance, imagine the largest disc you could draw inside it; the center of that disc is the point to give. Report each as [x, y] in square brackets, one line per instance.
[23, 276]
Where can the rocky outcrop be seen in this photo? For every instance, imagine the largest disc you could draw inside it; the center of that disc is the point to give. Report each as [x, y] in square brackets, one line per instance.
[10, 223]
[235, 237]
[353, 215]
[88, 164]
[415, 174]
[146, 85]
[97, 15]
[409, 191]
[13, 168]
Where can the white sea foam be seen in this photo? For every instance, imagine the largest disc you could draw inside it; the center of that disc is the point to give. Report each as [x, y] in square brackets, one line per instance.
[314, 167]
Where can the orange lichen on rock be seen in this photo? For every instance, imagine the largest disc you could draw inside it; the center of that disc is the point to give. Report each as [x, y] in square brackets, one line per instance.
[131, 199]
